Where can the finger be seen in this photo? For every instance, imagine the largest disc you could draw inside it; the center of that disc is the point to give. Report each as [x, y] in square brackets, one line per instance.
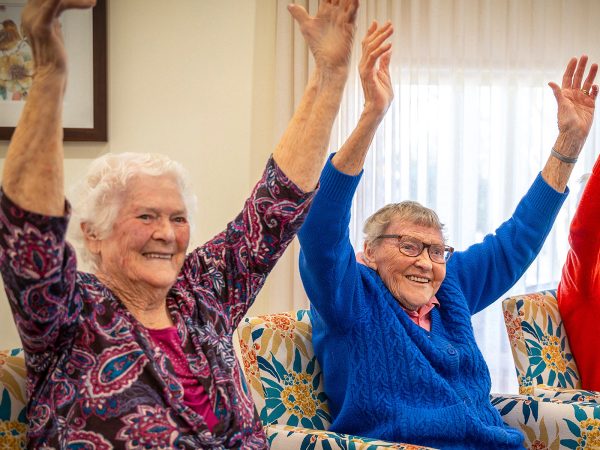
[579, 71]
[380, 51]
[567, 79]
[298, 13]
[590, 78]
[350, 8]
[371, 28]
[76, 4]
[594, 92]
[47, 9]
[556, 90]
[377, 38]
[368, 34]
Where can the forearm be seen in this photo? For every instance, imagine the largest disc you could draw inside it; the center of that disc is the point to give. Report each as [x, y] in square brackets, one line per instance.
[556, 173]
[350, 158]
[33, 170]
[302, 150]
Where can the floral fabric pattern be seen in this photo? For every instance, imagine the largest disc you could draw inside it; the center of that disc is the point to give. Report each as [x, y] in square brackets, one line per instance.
[287, 385]
[539, 343]
[551, 423]
[279, 364]
[94, 374]
[13, 423]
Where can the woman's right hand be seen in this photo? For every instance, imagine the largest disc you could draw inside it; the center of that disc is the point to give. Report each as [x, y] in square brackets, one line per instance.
[43, 31]
[375, 79]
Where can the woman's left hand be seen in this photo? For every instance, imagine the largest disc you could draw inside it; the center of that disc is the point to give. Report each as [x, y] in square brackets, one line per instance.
[576, 102]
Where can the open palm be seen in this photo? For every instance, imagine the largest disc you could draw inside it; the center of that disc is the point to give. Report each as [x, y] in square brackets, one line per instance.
[576, 100]
[329, 34]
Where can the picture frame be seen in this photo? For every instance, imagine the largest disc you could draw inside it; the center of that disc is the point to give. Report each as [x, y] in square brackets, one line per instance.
[85, 108]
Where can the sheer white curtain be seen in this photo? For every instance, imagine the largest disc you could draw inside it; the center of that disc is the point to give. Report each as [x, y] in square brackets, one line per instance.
[472, 123]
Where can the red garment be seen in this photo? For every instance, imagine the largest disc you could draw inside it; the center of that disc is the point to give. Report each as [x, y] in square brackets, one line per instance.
[194, 395]
[579, 289]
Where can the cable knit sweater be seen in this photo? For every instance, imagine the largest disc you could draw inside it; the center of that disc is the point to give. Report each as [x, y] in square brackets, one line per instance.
[386, 377]
[579, 288]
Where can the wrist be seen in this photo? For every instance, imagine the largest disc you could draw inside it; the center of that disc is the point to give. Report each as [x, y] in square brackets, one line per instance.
[373, 112]
[332, 75]
[568, 145]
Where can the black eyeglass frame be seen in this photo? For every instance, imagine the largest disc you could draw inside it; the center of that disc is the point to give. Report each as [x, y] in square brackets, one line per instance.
[447, 249]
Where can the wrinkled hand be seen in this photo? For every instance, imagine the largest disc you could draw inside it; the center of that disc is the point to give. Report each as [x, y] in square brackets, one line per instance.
[330, 33]
[576, 101]
[42, 29]
[375, 78]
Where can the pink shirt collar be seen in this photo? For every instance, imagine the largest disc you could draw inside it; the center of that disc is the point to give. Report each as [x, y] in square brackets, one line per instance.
[422, 316]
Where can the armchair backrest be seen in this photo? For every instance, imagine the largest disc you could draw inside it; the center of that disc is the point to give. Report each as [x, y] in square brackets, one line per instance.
[282, 370]
[13, 392]
[539, 342]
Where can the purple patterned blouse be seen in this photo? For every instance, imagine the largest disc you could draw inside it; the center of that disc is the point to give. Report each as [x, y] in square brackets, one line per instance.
[95, 377]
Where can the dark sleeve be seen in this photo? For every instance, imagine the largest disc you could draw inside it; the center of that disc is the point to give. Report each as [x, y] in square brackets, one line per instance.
[39, 271]
[235, 263]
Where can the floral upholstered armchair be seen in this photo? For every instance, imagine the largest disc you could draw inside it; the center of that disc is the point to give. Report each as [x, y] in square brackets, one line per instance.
[540, 347]
[13, 423]
[286, 383]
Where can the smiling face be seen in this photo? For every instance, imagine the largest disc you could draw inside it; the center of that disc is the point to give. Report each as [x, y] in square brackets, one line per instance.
[411, 280]
[147, 245]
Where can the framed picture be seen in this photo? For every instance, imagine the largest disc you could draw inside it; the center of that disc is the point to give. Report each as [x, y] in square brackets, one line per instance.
[85, 104]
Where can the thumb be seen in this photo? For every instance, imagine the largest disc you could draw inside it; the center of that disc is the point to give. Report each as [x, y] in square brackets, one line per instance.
[556, 90]
[298, 13]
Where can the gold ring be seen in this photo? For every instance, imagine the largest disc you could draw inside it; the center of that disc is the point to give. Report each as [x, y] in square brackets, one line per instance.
[585, 92]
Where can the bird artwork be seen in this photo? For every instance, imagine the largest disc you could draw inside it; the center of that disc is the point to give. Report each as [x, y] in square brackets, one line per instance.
[16, 61]
[9, 36]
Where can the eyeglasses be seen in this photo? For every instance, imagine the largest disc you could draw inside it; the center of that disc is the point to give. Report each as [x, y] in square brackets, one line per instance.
[413, 247]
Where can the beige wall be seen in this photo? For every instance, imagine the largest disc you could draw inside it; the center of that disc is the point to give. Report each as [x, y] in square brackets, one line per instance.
[193, 80]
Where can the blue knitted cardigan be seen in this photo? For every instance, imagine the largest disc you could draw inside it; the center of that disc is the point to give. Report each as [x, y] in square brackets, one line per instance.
[386, 377]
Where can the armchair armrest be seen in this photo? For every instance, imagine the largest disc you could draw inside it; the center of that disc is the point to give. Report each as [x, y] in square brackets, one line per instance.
[558, 393]
[551, 422]
[285, 437]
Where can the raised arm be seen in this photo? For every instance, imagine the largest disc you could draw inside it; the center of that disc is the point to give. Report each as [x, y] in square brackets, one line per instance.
[377, 89]
[33, 170]
[502, 258]
[327, 259]
[576, 103]
[329, 35]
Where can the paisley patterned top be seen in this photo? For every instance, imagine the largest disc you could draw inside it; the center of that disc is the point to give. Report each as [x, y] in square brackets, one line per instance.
[95, 377]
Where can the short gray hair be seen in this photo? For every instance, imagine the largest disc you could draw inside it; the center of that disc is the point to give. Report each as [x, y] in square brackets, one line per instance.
[98, 197]
[408, 211]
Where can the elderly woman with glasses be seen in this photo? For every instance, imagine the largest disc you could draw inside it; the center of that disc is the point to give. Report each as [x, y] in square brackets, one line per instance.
[393, 333]
[139, 353]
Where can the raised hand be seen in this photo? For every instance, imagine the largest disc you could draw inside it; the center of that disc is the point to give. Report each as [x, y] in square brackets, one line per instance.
[42, 29]
[330, 33]
[576, 103]
[375, 78]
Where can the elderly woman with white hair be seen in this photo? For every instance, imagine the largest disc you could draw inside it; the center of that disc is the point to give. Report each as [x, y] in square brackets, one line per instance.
[393, 335]
[139, 353]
